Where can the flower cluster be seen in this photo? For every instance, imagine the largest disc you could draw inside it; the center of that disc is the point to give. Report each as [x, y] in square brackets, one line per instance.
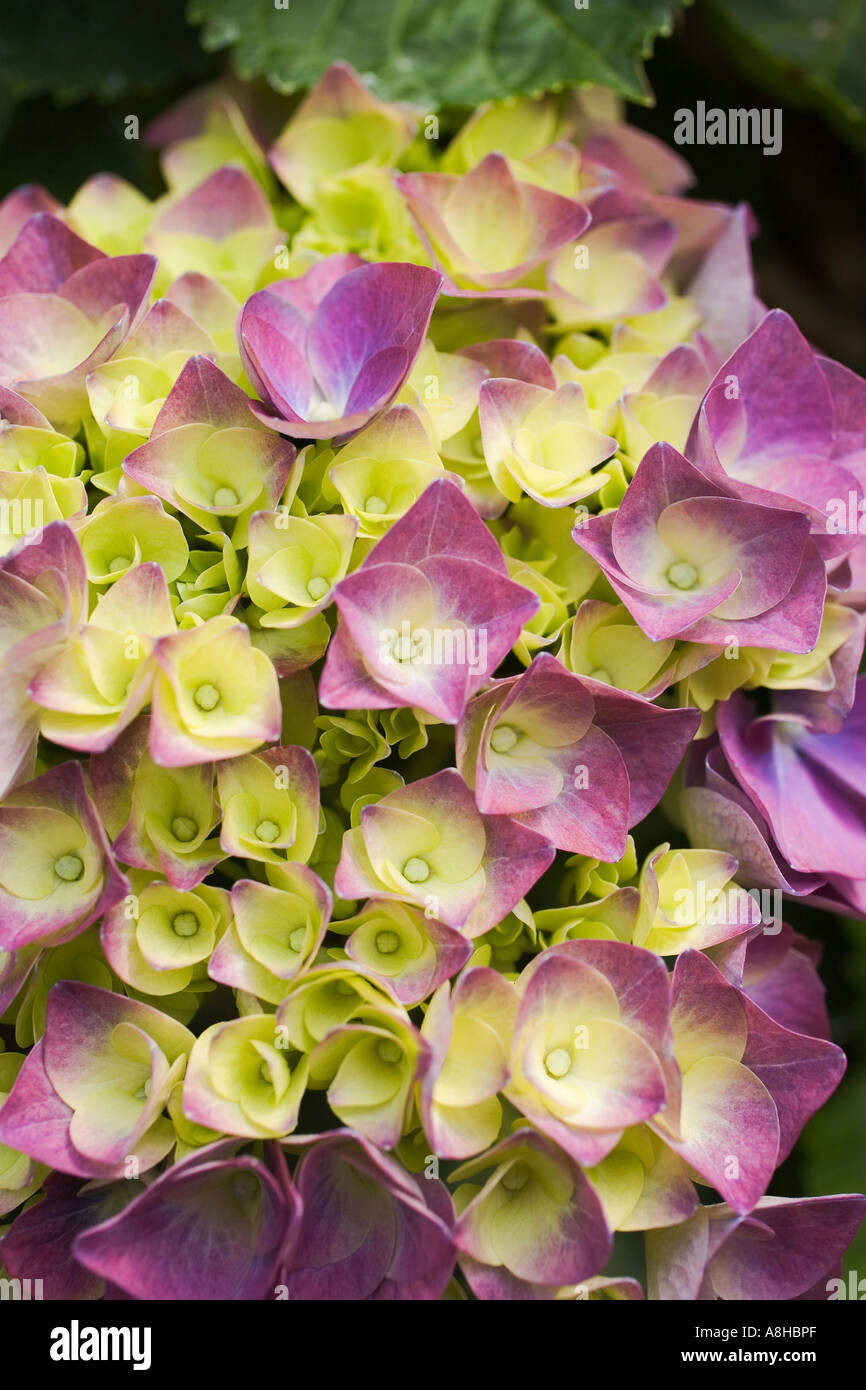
[388, 527]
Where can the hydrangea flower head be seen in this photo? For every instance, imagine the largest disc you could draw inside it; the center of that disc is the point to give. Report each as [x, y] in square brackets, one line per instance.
[432, 602]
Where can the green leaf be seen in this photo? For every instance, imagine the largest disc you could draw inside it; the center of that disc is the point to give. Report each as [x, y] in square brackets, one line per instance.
[808, 51]
[81, 48]
[442, 52]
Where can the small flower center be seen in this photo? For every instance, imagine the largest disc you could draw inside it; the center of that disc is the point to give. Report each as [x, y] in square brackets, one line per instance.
[387, 942]
[516, 1177]
[317, 587]
[69, 867]
[376, 505]
[789, 731]
[406, 647]
[225, 497]
[343, 987]
[120, 562]
[184, 924]
[206, 696]
[683, 575]
[416, 870]
[557, 1062]
[298, 939]
[143, 1091]
[389, 1050]
[183, 828]
[601, 675]
[503, 738]
[267, 830]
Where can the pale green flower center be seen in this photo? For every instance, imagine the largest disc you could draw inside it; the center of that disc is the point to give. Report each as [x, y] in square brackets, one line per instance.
[298, 939]
[267, 830]
[388, 1050]
[405, 648]
[516, 1177]
[683, 575]
[206, 696]
[601, 675]
[143, 1091]
[375, 504]
[789, 731]
[343, 987]
[557, 1062]
[225, 497]
[317, 587]
[184, 829]
[503, 738]
[69, 867]
[184, 924]
[416, 870]
[120, 562]
[387, 942]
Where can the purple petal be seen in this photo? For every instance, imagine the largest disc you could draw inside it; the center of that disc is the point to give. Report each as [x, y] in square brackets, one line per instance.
[208, 1228]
